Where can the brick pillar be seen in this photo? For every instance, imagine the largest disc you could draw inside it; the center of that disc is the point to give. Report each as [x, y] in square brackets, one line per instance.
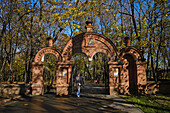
[63, 81]
[141, 73]
[37, 78]
[113, 77]
[111, 81]
[70, 80]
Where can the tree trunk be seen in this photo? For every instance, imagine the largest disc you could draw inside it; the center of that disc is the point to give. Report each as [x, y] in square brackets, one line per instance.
[133, 18]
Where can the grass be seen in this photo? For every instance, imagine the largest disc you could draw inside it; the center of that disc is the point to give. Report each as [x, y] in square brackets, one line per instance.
[150, 103]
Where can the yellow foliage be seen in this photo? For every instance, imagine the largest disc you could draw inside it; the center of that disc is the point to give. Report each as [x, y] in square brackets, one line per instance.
[36, 19]
[54, 7]
[145, 22]
[56, 15]
[74, 27]
[75, 1]
[61, 21]
[107, 10]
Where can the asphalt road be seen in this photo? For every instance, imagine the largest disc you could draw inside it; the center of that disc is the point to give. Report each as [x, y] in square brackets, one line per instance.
[91, 101]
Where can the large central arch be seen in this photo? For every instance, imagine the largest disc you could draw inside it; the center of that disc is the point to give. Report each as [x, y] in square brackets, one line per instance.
[89, 44]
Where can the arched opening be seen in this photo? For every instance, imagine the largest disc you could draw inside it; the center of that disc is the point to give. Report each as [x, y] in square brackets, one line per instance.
[44, 70]
[49, 72]
[101, 72]
[95, 73]
[80, 65]
[132, 72]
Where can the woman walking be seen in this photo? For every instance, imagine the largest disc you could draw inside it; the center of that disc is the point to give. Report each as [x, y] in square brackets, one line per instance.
[79, 83]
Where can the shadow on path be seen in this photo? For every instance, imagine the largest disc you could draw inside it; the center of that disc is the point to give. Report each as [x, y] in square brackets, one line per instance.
[89, 102]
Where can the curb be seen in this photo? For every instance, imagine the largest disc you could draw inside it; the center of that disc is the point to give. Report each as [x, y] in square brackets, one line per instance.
[7, 100]
[4, 101]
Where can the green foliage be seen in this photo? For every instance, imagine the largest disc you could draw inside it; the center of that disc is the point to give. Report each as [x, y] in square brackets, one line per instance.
[150, 103]
[91, 69]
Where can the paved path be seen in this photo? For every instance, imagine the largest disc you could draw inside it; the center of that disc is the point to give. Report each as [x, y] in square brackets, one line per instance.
[92, 100]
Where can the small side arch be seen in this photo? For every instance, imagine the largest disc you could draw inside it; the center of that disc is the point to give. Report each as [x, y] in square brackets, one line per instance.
[47, 50]
[37, 69]
[133, 69]
[135, 53]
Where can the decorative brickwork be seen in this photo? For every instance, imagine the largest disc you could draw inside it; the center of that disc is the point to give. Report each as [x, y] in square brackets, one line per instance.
[64, 70]
[89, 44]
[37, 78]
[127, 71]
[47, 50]
[133, 70]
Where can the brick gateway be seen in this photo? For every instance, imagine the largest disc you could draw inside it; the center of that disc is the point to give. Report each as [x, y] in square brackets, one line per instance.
[128, 62]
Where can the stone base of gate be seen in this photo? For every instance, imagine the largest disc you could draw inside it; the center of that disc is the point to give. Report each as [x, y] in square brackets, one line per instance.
[112, 90]
[37, 89]
[62, 89]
